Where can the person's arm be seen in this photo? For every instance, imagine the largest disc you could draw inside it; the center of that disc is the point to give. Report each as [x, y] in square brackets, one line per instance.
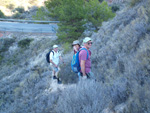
[61, 59]
[83, 67]
[53, 63]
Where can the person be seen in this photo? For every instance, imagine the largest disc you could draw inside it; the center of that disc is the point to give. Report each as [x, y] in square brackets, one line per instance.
[85, 63]
[76, 47]
[55, 57]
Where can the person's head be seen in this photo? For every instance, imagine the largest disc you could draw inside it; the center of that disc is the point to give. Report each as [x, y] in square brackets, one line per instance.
[87, 42]
[76, 45]
[55, 48]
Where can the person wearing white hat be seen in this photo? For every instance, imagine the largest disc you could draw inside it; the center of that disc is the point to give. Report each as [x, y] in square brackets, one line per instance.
[85, 59]
[55, 57]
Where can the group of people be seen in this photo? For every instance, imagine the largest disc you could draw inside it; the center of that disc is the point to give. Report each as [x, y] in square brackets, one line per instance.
[85, 62]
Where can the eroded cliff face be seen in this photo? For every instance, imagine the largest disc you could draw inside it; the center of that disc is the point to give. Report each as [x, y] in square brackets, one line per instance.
[120, 62]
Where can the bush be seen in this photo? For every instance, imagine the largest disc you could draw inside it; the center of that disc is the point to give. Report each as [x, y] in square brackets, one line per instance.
[66, 75]
[1, 14]
[66, 47]
[20, 9]
[1, 58]
[91, 97]
[98, 12]
[16, 15]
[5, 44]
[133, 2]
[24, 43]
[115, 8]
[40, 14]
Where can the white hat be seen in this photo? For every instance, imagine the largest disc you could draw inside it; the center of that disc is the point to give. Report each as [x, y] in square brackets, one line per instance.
[86, 39]
[55, 46]
[75, 42]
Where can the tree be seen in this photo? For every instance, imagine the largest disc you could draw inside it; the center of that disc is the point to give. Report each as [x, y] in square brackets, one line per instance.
[72, 17]
[54, 6]
[71, 14]
[98, 12]
[1, 14]
[40, 14]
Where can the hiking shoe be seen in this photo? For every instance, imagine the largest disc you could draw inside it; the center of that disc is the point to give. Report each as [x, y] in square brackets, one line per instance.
[54, 77]
[84, 77]
[59, 81]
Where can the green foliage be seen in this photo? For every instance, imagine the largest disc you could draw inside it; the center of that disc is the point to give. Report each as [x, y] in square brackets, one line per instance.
[133, 2]
[66, 47]
[73, 14]
[24, 43]
[5, 44]
[53, 6]
[40, 14]
[20, 9]
[1, 58]
[98, 12]
[17, 15]
[1, 14]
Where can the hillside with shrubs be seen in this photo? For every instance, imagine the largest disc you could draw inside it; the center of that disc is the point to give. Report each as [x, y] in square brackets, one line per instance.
[20, 9]
[120, 62]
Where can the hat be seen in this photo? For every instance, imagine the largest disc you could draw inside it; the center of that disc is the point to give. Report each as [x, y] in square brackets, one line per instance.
[86, 39]
[75, 42]
[55, 46]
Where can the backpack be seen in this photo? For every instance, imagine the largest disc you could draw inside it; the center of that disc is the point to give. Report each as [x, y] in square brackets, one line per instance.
[47, 56]
[75, 64]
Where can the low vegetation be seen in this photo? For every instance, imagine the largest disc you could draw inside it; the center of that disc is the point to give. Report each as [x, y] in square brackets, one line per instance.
[120, 62]
[134, 2]
[41, 14]
[25, 42]
[1, 14]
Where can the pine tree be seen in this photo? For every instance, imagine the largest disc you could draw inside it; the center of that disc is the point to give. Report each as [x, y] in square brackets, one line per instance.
[98, 12]
[54, 7]
[72, 17]
[73, 14]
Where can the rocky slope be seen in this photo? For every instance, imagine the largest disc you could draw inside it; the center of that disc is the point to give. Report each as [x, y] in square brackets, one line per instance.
[120, 62]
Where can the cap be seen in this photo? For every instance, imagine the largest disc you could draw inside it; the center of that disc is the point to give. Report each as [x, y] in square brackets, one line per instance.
[75, 42]
[55, 46]
[86, 39]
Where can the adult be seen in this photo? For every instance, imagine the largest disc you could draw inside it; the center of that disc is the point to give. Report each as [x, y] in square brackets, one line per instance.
[55, 58]
[76, 46]
[85, 62]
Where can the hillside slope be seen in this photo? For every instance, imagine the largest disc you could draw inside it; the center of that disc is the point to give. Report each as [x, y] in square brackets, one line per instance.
[120, 62]
[7, 6]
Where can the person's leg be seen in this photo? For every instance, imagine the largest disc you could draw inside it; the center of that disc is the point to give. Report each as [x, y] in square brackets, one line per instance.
[91, 75]
[57, 75]
[53, 72]
[57, 72]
